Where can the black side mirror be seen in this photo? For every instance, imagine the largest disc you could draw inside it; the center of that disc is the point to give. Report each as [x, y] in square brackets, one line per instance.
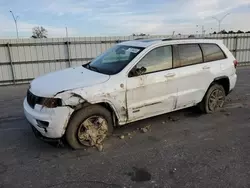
[141, 70]
[137, 71]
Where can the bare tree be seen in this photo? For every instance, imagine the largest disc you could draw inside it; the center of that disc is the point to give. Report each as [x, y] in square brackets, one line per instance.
[239, 31]
[222, 32]
[141, 34]
[39, 32]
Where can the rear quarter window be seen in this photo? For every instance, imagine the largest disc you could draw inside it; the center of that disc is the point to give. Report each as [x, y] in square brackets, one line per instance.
[212, 52]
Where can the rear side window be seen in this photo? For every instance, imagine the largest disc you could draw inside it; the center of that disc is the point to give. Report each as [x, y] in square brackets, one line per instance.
[189, 54]
[212, 52]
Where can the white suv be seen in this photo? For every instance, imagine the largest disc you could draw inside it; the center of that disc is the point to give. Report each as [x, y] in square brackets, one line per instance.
[131, 81]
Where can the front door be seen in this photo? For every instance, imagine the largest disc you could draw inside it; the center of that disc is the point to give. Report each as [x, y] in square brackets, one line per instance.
[151, 89]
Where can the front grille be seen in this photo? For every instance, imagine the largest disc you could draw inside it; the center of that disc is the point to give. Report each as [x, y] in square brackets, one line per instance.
[33, 99]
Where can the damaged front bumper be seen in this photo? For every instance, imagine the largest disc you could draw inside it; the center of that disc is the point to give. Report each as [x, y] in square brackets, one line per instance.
[49, 122]
[43, 138]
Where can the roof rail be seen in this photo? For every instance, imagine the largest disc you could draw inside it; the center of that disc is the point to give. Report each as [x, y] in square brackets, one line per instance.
[166, 39]
[188, 38]
[139, 38]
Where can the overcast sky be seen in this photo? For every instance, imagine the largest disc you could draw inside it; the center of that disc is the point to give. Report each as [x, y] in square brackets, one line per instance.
[122, 17]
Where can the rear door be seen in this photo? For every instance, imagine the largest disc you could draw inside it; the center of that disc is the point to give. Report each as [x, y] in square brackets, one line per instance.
[193, 75]
[216, 58]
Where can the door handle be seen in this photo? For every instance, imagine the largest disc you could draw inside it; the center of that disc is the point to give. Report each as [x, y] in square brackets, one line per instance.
[206, 67]
[170, 75]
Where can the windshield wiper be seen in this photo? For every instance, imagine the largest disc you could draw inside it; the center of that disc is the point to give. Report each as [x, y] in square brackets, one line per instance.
[88, 66]
[93, 68]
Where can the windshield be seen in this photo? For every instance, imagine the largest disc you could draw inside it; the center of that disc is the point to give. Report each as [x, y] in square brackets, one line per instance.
[114, 60]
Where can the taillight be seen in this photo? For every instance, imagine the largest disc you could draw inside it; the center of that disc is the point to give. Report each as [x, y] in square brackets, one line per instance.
[235, 63]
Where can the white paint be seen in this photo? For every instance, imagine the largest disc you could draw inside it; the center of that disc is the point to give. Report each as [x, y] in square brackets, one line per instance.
[132, 98]
[71, 78]
[57, 118]
[151, 94]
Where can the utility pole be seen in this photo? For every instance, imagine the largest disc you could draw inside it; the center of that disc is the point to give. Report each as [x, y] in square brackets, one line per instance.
[220, 20]
[202, 29]
[15, 20]
[66, 32]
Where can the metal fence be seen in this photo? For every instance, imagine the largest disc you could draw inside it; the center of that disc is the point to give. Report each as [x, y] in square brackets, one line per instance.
[25, 59]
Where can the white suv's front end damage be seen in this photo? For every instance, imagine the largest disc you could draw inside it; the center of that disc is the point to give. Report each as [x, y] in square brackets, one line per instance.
[50, 102]
[50, 122]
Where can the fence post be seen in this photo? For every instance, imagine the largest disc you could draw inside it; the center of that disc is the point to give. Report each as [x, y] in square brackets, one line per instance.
[11, 64]
[235, 46]
[68, 50]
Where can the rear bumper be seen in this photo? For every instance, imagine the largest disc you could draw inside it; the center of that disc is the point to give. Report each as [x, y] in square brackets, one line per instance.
[232, 80]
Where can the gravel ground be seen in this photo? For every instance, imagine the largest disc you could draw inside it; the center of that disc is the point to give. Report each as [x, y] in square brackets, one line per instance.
[181, 149]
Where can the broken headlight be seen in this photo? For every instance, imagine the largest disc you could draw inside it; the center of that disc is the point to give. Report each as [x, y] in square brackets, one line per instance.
[51, 102]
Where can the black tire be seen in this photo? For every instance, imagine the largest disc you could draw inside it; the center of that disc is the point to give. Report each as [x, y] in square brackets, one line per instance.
[79, 117]
[205, 106]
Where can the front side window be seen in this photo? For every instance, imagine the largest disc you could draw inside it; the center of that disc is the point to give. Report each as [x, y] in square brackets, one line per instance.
[189, 54]
[156, 60]
[114, 60]
[212, 52]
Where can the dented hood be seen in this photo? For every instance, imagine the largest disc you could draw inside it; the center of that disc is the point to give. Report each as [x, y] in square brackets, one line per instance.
[70, 78]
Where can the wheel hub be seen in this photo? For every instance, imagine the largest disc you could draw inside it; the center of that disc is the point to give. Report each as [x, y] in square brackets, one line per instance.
[93, 131]
[216, 100]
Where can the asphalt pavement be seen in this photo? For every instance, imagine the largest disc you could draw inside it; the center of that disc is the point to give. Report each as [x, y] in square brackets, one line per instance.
[181, 149]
